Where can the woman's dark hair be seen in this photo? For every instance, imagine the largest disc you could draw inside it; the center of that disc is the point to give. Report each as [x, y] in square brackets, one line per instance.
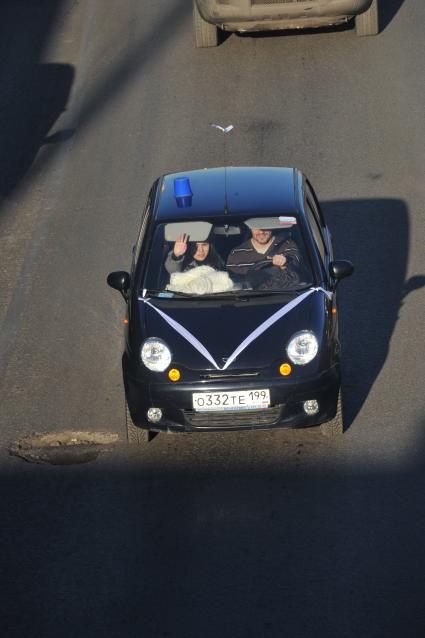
[213, 259]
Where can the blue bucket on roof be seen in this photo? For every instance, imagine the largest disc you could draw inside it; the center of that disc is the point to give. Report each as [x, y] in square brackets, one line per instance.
[183, 192]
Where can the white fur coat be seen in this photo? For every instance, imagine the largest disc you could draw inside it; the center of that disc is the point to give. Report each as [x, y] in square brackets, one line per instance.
[202, 280]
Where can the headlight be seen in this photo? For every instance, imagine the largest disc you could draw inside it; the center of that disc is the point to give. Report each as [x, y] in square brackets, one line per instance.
[155, 354]
[302, 348]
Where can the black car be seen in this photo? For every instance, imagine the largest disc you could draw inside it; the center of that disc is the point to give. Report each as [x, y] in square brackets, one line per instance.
[232, 318]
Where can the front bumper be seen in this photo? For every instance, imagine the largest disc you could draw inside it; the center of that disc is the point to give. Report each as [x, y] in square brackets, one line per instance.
[286, 398]
[260, 15]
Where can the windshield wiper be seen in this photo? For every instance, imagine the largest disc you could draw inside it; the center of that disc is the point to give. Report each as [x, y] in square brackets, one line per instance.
[259, 293]
[266, 293]
[166, 294]
[230, 294]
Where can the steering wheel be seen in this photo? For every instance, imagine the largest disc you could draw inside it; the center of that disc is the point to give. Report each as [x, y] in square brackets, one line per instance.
[261, 266]
[260, 273]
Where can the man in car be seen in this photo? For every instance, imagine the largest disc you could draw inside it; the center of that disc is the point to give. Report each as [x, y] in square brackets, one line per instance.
[264, 261]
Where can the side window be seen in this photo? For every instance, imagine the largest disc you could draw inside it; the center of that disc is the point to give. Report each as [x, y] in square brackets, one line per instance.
[311, 195]
[317, 233]
[137, 247]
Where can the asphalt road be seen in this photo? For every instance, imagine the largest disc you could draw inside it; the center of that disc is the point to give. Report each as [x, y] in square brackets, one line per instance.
[253, 534]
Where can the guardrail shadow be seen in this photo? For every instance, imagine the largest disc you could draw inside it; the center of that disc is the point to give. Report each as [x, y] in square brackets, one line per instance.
[34, 95]
[374, 235]
[38, 93]
[36, 104]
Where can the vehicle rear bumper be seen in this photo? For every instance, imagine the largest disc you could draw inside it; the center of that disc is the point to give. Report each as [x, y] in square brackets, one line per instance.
[259, 15]
[286, 398]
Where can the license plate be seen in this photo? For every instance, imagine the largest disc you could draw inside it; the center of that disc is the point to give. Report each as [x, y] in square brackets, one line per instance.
[242, 400]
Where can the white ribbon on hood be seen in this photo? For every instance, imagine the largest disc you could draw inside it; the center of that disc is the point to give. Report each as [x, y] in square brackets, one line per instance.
[249, 339]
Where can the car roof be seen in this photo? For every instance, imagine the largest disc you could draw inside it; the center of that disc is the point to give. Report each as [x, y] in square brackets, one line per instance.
[230, 191]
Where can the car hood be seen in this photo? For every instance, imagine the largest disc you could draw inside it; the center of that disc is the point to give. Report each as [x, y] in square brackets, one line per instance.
[195, 329]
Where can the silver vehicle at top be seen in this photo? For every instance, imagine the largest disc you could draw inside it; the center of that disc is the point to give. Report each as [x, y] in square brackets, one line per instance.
[263, 15]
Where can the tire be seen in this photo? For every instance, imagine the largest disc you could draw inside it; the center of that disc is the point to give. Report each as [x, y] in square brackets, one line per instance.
[334, 427]
[135, 435]
[367, 23]
[206, 34]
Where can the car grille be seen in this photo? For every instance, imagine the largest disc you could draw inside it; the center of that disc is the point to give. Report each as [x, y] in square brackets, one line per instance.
[228, 418]
[213, 376]
[260, 2]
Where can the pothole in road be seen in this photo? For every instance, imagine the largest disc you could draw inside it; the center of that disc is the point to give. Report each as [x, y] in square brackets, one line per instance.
[63, 448]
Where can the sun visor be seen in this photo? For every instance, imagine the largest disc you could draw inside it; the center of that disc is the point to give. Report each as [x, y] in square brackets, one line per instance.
[271, 223]
[197, 231]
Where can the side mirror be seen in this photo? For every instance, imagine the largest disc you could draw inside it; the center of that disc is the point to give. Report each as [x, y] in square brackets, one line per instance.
[119, 280]
[340, 269]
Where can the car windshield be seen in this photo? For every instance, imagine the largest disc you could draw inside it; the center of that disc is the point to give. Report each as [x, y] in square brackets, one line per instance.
[256, 255]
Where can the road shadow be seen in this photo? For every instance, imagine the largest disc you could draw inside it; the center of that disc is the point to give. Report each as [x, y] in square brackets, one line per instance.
[294, 548]
[33, 95]
[374, 234]
[388, 9]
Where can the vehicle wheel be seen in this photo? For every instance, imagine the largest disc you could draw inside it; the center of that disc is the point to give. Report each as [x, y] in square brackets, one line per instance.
[335, 427]
[206, 34]
[135, 435]
[367, 23]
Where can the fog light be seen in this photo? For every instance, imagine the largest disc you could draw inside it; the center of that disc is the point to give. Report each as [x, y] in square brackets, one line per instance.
[311, 407]
[154, 415]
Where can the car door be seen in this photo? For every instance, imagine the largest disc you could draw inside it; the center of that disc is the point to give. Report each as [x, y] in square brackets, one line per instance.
[323, 242]
[136, 251]
[318, 229]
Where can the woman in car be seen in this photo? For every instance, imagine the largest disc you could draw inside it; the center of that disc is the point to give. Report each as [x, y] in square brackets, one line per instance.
[190, 254]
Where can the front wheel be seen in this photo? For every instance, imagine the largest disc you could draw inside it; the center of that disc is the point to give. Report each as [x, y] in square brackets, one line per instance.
[206, 34]
[367, 23]
[135, 435]
[334, 427]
